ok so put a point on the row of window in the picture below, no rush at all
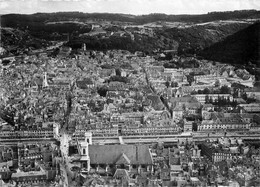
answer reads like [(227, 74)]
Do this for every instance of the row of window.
[(26, 134), (201, 127)]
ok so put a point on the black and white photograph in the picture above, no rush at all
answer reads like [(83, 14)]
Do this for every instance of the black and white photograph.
[(129, 93)]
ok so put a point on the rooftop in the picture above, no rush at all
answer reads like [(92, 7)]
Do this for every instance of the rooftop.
[(110, 154)]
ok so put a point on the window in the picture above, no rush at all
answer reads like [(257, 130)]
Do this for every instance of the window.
[(85, 165), (93, 165), (84, 151), (122, 166)]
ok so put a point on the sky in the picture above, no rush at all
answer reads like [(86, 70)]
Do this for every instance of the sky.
[(136, 7)]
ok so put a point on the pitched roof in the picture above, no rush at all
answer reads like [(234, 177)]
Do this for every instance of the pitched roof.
[(188, 101), (174, 160), (121, 173), (156, 102), (178, 108), (254, 89), (176, 168), (184, 99), (110, 154), (123, 160), (83, 84)]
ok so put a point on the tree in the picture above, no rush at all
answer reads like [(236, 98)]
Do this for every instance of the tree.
[(234, 103), (174, 84), (190, 78), (206, 91), (118, 73), (225, 90), (167, 84), (169, 65), (244, 96), (118, 78), (206, 99), (8, 115), (110, 101), (193, 92), (194, 126), (168, 56), (220, 101), (102, 91)]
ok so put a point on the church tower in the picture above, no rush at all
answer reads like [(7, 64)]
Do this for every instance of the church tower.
[(45, 82), (84, 152), (84, 47), (88, 137)]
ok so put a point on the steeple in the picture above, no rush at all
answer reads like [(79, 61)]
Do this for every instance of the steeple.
[(45, 82), (68, 37), (84, 47), (84, 153)]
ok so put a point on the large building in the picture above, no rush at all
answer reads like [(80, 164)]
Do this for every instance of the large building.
[(202, 98), (224, 121), (132, 158), (218, 153)]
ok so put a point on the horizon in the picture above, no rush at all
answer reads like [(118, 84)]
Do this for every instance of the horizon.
[(154, 13), (132, 7)]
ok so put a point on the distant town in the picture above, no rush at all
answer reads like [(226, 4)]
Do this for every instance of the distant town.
[(113, 117)]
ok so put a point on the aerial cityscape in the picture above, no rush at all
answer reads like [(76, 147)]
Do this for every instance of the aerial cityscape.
[(119, 99)]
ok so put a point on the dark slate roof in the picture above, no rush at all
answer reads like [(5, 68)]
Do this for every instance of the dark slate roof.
[(174, 160), (83, 84), (110, 154), (88, 81), (184, 99), (123, 160), (188, 101), (254, 89), (156, 102), (38, 81), (121, 173)]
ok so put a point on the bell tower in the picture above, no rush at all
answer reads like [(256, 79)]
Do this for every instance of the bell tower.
[(45, 82), (84, 152), (84, 47), (88, 137)]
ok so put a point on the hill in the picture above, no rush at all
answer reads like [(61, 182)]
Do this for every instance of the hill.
[(15, 41), (190, 34), (239, 48), (197, 37), (14, 20), (188, 40), (45, 26)]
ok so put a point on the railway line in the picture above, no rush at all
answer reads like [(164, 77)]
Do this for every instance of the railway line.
[(133, 139)]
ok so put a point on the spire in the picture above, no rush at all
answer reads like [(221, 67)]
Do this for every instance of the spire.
[(45, 82), (84, 47), (68, 37)]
